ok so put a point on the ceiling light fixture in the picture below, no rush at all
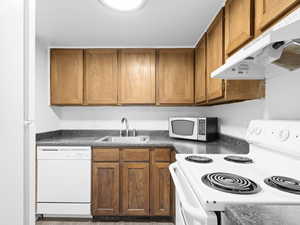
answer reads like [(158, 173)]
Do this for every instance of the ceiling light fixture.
[(124, 5)]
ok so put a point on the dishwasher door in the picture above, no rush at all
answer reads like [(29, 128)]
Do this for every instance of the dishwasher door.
[(63, 178)]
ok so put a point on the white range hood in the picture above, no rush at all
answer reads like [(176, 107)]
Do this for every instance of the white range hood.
[(280, 45)]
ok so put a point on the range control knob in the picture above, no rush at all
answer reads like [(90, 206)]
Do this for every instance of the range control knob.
[(258, 131), (284, 135)]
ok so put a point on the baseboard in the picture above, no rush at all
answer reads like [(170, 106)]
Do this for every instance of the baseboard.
[(134, 218)]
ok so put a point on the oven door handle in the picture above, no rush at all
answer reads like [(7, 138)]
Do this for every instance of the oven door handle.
[(198, 212)]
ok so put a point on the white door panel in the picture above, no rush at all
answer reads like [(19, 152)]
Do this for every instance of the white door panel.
[(29, 173)]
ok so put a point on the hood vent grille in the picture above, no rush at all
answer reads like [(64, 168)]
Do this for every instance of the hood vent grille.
[(290, 56)]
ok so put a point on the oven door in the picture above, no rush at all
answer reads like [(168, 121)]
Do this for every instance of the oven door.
[(186, 128), (188, 208)]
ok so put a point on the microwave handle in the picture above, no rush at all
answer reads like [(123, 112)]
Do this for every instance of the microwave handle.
[(199, 213)]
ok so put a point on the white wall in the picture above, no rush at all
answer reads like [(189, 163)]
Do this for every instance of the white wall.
[(46, 116), (282, 102), (283, 95), (234, 118), (139, 117), (11, 111)]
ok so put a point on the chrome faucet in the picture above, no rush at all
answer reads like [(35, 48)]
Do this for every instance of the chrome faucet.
[(124, 120)]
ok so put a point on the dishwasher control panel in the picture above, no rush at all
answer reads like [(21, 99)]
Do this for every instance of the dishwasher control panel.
[(65, 152)]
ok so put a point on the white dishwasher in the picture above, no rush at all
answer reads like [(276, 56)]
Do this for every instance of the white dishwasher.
[(64, 181)]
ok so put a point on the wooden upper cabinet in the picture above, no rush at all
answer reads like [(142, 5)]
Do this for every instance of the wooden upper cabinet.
[(269, 11), (66, 76), (135, 189), (176, 76), (215, 56), (239, 24), (137, 76), (105, 192), (101, 71), (200, 71)]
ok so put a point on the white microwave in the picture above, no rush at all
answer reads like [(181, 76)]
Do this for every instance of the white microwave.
[(194, 128)]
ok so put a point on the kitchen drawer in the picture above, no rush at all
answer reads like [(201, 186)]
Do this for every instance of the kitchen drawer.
[(135, 155), (161, 155), (106, 155)]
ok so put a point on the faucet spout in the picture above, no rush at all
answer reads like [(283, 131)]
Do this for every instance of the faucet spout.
[(124, 120)]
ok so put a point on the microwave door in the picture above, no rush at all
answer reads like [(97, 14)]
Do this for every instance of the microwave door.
[(183, 128)]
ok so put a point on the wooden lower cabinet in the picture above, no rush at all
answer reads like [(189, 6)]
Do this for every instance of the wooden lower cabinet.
[(105, 193), (132, 186), (161, 189), (135, 193), (173, 200)]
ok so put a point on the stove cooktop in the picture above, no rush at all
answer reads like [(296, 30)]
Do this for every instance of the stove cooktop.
[(223, 182), (273, 150)]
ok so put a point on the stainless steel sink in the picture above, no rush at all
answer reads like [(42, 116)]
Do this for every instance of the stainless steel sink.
[(117, 139)]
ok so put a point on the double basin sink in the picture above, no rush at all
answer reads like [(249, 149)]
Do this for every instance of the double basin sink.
[(125, 140)]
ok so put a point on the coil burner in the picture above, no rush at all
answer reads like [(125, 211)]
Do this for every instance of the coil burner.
[(238, 159), (230, 183), (285, 184), (198, 159)]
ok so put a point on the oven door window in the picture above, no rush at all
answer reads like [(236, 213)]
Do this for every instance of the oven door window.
[(183, 127)]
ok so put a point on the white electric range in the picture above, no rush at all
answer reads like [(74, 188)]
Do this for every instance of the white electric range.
[(269, 174)]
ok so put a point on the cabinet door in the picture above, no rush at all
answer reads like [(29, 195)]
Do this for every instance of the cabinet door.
[(135, 189), (239, 24), (173, 200), (101, 70), (268, 11), (176, 76), (161, 189), (105, 193), (137, 76), (215, 56), (66, 76), (200, 71)]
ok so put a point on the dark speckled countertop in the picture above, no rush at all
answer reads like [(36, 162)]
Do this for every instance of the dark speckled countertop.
[(224, 145), (263, 214)]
